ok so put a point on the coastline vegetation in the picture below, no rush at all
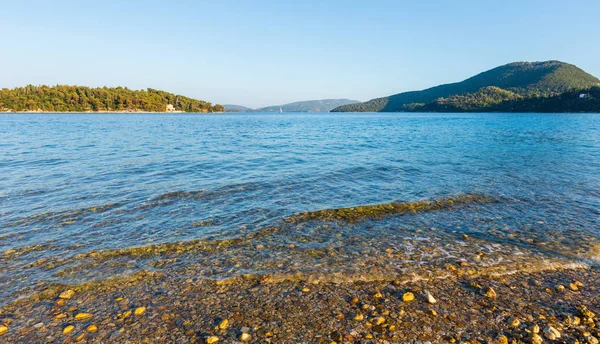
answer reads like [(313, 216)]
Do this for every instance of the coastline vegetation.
[(63, 98), (495, 99)]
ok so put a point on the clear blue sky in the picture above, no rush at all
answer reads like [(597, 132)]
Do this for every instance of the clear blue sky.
[(258, 53)]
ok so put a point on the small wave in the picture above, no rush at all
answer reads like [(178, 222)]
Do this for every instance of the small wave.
[(63, 218)]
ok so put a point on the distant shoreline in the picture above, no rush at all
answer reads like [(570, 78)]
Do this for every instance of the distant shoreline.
[(104, 111)]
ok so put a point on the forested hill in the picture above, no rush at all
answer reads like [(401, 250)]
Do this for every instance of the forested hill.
[(527, 79), (82, 99), (498, 100)]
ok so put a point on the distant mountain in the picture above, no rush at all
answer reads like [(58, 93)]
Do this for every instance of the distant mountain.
[(64, 98), (521, 79), (324, 105), (236, 108)]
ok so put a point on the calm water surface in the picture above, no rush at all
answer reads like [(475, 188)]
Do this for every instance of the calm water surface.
[(72, 185)]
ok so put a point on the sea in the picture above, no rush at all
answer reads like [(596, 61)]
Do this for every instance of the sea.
[(322, 197)]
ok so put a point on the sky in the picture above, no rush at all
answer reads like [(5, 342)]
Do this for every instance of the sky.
[(258, 53)]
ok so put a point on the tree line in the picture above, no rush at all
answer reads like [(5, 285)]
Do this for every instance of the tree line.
[(63, 98)]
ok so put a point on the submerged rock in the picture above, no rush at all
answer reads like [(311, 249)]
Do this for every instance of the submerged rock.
[(430, 297), (551, 333), (67, 294), (212, 339), (407, 297), (224, 324), (83, 316), (490, 293), (139, 311), (245, 337), (3, 329), (68, 329)]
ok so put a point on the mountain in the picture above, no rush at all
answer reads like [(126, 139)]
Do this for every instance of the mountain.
[(62, 98), (324, 105), (526, 79), (236, 108)]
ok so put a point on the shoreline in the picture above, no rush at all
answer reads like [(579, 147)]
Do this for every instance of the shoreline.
[(154, 308), (97, 112)]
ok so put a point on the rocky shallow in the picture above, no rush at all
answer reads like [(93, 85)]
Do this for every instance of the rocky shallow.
[(560, 306)]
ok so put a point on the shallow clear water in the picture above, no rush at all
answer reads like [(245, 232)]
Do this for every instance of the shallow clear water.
[(75, 184)]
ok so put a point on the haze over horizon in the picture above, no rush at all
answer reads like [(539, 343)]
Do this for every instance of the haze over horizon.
[(261, 53)]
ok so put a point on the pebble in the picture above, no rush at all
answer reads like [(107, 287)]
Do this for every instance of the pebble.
[(359, 317), (534, 328), (591, 339), (139, 311), (514, 322), (224, 324), (305, 290), (560, 287), (407, 297), (378, 295), (378, 320), (92, 328), (551, 333), (536, 339), (67, 294), (501, 339), (573, 287), (490, 293), (245, 337), (430, 297), (212, 339), (68, 329), (3, 329), (83, 316)]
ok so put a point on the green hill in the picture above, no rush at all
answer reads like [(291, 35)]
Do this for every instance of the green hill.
[(324, 105), (63, 98), (494, 99), (527, 79)]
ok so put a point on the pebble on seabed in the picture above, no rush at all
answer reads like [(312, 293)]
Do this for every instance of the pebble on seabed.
[(83, 316), (212, 339), (430, 297), (551, 333), (92, 328), (3, 330), (224, 324), (245, 337), (139, 311), (490, 293), (407, 297), (68, 329), (67, 294)]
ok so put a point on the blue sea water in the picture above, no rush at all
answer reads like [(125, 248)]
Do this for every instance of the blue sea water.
[(77, 183)]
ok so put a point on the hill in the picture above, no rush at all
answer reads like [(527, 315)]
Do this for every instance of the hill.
[(324, 105), (527, 79), (62, 98), (236, 108), (493, 99)]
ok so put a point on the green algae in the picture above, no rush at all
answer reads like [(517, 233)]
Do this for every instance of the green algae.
[(378, 211)]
